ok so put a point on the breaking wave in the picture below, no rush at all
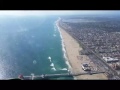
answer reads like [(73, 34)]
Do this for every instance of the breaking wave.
[(64, 69), (53, 67), (63, 47)]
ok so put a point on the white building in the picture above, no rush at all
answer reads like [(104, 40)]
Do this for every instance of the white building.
[(109, 59)]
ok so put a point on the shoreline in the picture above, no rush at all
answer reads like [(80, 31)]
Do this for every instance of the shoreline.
[(72, 48), (65, 52)]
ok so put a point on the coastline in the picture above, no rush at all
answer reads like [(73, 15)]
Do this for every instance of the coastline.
[(65, 52), (72, 48)]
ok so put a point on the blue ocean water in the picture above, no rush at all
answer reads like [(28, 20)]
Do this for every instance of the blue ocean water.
[(28, 45)]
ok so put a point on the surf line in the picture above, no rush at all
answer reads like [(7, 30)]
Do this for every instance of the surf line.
[(64, 49)]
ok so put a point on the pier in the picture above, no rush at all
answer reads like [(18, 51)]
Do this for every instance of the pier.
[(48, 76)]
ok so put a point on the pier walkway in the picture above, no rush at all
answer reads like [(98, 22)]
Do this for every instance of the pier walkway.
[(48, 76)]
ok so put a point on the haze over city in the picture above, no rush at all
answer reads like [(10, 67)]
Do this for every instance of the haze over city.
[(56, 12)]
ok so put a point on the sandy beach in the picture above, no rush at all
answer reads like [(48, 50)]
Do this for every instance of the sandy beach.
[(74, 58)]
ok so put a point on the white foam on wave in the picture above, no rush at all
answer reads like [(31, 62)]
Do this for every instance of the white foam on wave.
[(68, 64), (52, 64), (63, 47), (53, 68), (49, 57), (64, 69)]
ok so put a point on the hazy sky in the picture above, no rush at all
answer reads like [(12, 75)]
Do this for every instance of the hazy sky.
[(53, 12)]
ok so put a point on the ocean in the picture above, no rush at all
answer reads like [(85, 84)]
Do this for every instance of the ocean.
[(31, 45)]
